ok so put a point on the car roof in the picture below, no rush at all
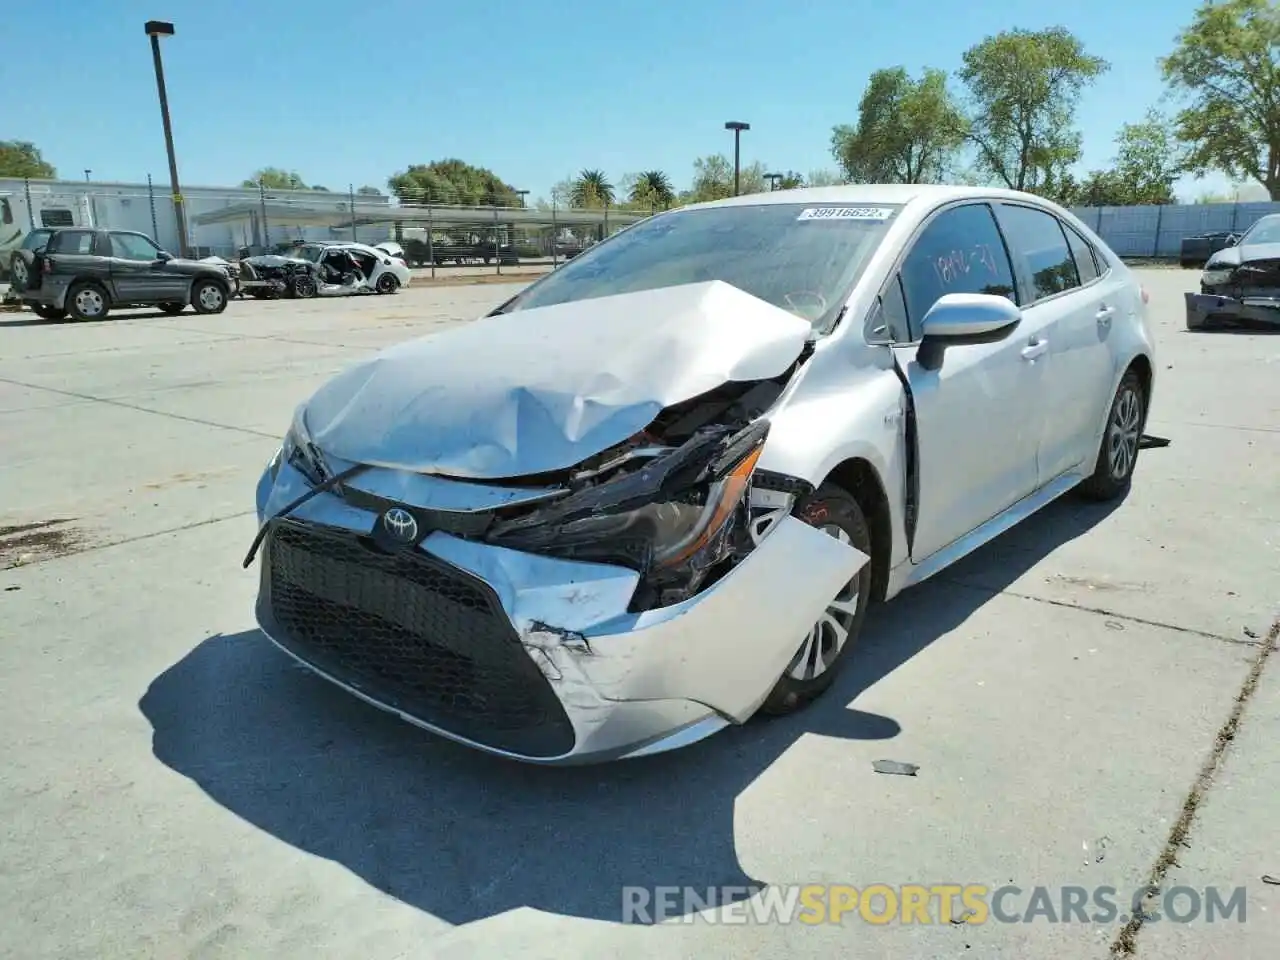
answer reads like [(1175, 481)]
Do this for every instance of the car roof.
[(862, 193)]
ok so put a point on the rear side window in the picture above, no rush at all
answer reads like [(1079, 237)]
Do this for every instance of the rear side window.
[(960, 251), (55, 217), (1086, 258), (72, 241), (1037, 239)]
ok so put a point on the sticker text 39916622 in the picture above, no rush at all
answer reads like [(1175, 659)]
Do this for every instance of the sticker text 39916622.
[(845, 213)]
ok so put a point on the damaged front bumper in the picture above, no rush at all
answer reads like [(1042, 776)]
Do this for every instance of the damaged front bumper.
[(1205, 309), (523, 655)]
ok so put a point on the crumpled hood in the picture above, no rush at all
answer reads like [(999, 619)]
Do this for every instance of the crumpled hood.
[(543, 389)]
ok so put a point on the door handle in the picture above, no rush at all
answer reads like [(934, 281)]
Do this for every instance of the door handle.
[(1034, 349), (1104, 314)]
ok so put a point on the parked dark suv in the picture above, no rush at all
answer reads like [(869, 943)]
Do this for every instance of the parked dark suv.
[(85, 273)]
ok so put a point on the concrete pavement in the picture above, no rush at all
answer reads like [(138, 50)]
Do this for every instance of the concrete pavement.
[(1084, 697)]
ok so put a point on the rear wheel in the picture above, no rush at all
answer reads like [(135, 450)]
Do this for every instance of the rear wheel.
[(825, 649), (88, 301), (49, 313), (18, 275), (387, 283), (208, 296), (1118, 455)]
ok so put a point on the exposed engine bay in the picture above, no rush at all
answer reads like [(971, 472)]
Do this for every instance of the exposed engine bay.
[(673, 502)]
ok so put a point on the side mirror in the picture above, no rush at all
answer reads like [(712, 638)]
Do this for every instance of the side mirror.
[(958, 319), (163, 257), (1232, 241)]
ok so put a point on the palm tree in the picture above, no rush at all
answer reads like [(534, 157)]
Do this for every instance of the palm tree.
[(592, 189), (653, 187)]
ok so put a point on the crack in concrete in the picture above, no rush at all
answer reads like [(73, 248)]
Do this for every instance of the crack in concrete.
[(1103, 612), (1126, 941), (141, 409)]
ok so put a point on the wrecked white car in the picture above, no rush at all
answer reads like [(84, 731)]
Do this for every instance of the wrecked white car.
[(654, 493)]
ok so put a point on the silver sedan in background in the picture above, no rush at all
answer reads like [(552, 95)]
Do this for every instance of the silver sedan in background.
[(654, 493)]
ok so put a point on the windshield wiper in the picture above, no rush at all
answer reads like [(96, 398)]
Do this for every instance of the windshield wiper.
[(318, 489)]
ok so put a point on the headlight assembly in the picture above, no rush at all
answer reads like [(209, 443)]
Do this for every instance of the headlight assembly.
[(1216, 277), (669, 519)]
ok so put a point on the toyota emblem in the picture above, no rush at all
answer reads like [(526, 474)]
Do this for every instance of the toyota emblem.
[(400, 524)]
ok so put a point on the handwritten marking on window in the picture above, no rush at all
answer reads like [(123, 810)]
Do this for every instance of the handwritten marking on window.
[(957, 263)]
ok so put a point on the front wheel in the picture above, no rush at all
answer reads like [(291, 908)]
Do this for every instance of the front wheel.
[(208, 296), (1118, 455), (305, 287), (825, 649)]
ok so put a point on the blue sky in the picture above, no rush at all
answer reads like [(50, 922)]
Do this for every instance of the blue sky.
[(352, 92)]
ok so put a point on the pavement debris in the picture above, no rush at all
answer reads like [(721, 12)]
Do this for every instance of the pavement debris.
[(895, 767)]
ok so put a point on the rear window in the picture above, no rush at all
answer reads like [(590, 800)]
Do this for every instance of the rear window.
[(1086, 259), (72, 241), (56, 217), (35, 239), (1037, 238)]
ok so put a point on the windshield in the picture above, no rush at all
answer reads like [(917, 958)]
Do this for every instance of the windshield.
[(306, 251), (803, 258), (1266, 230)]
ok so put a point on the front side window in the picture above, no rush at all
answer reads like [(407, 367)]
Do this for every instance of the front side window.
[(6, 211), (132, 246), (1036, 238), (72, 241), (804, 258), (960, 251)]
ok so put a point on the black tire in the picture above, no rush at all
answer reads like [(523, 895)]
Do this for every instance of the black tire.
[(1112, 476), (208, 297), (303, 287), (18, 274), (52, 314), (388, 284), (828, 506), (172, 309), (87, 300)]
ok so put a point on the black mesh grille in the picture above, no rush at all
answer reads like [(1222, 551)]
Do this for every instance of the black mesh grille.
[(414, 633)]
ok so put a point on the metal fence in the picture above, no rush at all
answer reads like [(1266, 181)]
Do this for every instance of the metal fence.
[(1158, 231)]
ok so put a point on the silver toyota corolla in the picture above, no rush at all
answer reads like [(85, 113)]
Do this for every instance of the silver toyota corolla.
[(653, 494)]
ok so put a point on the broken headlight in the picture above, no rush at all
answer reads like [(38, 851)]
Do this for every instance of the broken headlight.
[(669, 519), (299, 452), (1216, 276)]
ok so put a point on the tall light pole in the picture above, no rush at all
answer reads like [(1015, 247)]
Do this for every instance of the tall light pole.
[(86, 174), (773, 179), (737, 126), (155, 30)]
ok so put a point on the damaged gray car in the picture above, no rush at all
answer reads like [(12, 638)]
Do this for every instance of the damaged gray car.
[(653, 494), (1241, 283)]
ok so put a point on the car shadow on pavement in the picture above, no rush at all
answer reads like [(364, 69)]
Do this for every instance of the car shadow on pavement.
[(464, 836)]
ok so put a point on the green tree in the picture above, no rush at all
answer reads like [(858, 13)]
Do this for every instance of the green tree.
[(451, 181), (652, 189), (276, 178), (1023, 86), (713, 179), (591, 188), (823, 178), (1226, 67), (908, 130), (368, 192), (1143, 171), (18, 158)]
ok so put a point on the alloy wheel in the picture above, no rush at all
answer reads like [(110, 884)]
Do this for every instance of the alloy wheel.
[(1123, 433), (828, 636)]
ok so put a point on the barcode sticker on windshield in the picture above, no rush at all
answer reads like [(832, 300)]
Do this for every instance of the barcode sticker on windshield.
[(845, 213)]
